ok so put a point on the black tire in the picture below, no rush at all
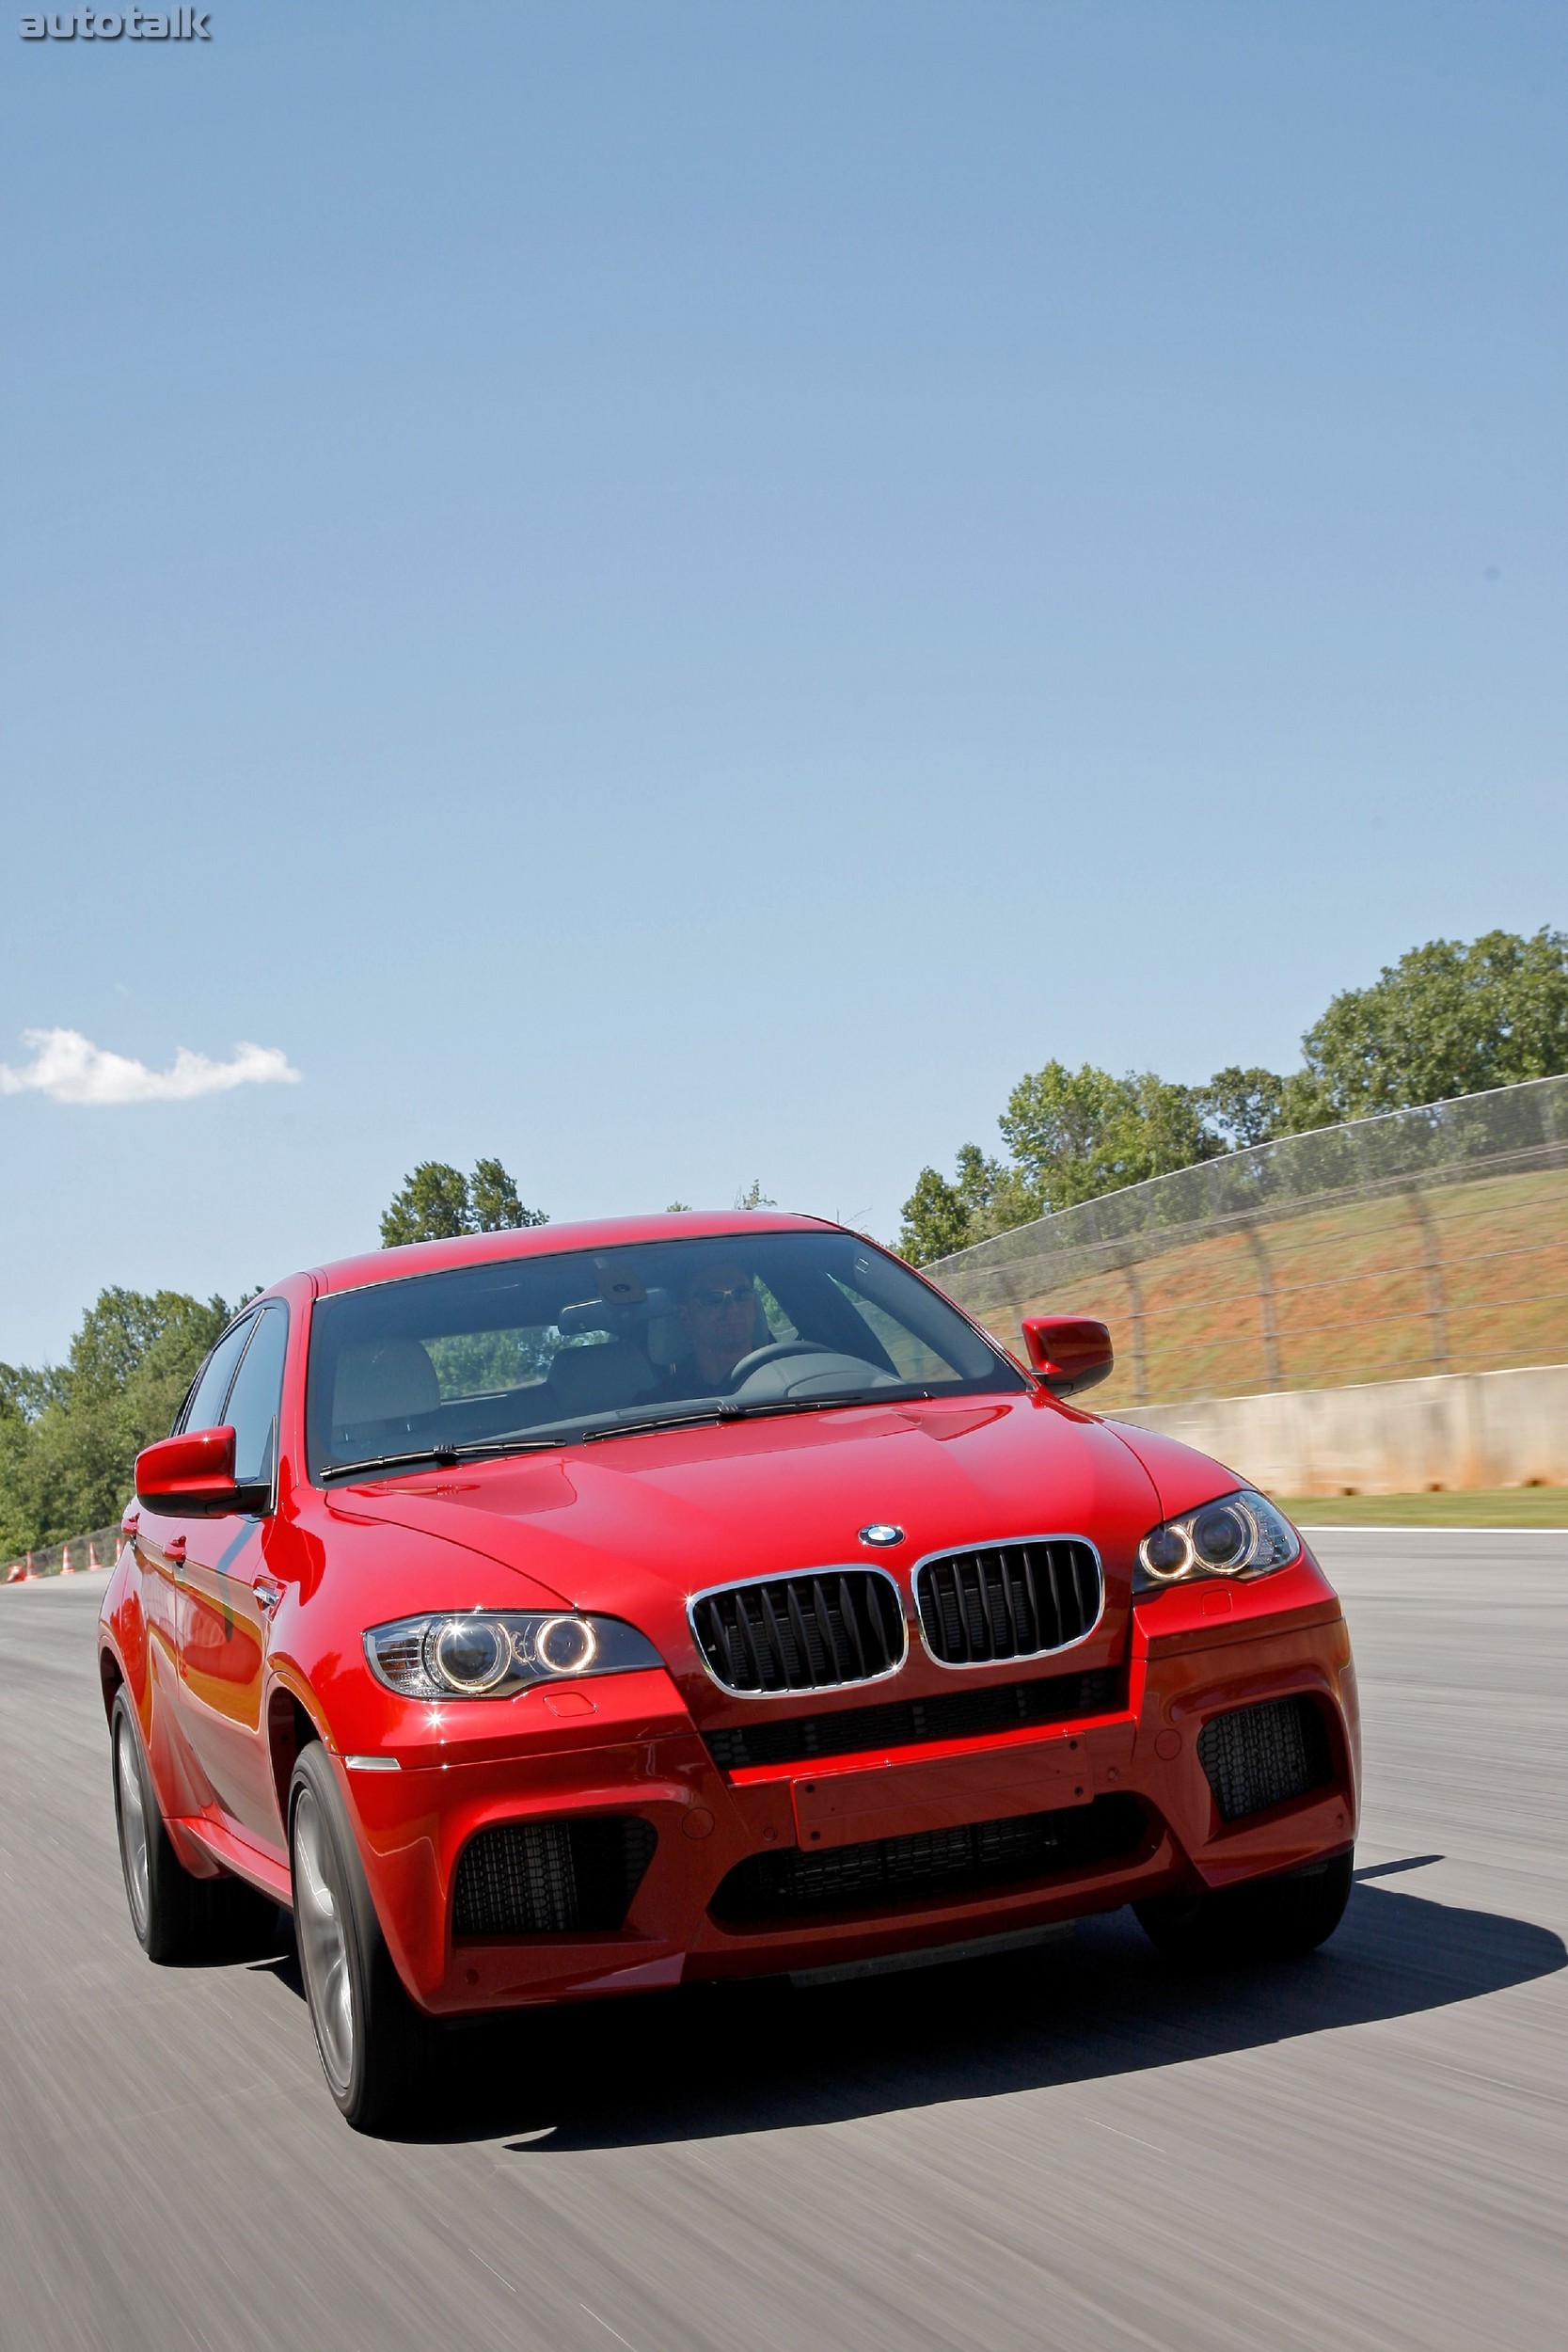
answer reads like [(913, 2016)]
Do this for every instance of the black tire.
[(1274, 1918), (179, 1920), (377, 2050)]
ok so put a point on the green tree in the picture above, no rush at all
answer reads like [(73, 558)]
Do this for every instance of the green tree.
[(1242, 1106), (1304, 1103), (431, 1205), (1447, 1018), (984, 1199), (1070, 1135), (69, 1434), (1075, 1133), (493, 1200), (23, 1393), (437, 1202)]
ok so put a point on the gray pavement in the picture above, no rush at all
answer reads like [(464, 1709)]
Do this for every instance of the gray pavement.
[(1073, 2148)]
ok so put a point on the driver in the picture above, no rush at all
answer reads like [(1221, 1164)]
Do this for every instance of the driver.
[(722, 1315)]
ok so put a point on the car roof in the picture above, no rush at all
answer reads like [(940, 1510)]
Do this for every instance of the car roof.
[(538, 1241)]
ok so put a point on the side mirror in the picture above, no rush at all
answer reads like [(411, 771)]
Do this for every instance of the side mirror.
[(1068, 1352), (192, 1477)]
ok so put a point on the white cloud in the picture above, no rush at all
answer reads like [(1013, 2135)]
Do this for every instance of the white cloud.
[(69, 1067)]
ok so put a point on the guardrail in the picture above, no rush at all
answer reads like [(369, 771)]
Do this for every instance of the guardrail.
[(98, 1549)]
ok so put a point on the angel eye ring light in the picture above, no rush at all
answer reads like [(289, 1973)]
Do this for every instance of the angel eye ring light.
[(1235, 1534), (470, 1654), (497, 1653), (567, 1645)]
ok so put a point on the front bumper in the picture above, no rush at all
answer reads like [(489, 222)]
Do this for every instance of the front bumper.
[(632, 1749)]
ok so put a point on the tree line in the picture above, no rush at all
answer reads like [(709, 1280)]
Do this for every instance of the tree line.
[(70, 1434), (1449, 1018)]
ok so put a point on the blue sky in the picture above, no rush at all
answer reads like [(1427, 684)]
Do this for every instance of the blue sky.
[(680, 593)]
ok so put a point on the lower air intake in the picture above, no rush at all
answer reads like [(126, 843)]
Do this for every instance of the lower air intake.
[(1261, 1756), (552, 1878), (966, 1714), (931, 1865)]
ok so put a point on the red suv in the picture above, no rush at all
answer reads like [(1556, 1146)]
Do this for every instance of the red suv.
[(555, 1614)]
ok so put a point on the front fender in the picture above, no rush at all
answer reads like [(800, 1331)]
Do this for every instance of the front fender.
[(123, 1643)]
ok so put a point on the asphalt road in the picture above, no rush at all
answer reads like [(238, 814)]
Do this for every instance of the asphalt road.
[(1071, 2148)]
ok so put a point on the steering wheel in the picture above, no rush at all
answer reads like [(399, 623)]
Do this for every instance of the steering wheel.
[(773, 1354)]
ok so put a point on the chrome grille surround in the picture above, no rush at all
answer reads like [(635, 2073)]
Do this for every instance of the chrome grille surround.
[(995, 1601), (780, 1630)]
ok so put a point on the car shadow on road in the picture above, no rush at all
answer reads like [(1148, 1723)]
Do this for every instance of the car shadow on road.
[(711, 2060)]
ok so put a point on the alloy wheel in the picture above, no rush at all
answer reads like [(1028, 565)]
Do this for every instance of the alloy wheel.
[(322, 1943), (131, 1817)]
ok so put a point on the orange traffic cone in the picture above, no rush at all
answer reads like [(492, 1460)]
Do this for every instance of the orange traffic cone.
[(93, 1560), (66, 1568)]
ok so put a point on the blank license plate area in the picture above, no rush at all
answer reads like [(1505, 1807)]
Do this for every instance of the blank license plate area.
[(897, 1800)]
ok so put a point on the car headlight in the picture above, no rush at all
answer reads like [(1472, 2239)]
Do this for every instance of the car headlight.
[(1240, 1534), (486, 1654)]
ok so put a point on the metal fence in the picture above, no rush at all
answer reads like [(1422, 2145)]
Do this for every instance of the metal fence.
[(99, 1548), (1423, 1241)]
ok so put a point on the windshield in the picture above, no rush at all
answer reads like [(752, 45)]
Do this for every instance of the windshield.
[(561, 1349)]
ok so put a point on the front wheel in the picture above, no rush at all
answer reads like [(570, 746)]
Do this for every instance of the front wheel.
[(177, 1917), (377, 2050), (1277, 1918)]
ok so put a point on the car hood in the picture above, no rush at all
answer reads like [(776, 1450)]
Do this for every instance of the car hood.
[(635, 1525)]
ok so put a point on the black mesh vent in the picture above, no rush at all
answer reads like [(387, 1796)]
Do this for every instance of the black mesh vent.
[(933, 1864), (1011, 1601), (1262, 1756), (801, 1632), (906, 1722), (552, 1878)]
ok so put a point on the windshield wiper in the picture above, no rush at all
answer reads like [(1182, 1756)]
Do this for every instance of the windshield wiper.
[(440, 1456), (766, 1409), (722, 1409)]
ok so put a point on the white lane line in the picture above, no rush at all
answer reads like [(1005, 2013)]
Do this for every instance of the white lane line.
[(491, 2268), (608, 2329), (1131, 2136)]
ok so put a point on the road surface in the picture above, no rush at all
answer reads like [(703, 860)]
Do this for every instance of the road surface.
[(1072, 2149)]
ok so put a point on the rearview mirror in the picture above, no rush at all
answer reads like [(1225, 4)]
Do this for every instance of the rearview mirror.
[(1070, 1352), (192, 1477)]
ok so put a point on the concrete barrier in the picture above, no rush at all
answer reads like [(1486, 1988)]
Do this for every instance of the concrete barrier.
[(1457, 1432)]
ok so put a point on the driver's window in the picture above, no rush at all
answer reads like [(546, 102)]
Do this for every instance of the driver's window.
[(205, 1408), (256, 1397)]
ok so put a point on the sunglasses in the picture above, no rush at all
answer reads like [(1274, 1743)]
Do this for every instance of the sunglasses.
[(732, 1295)]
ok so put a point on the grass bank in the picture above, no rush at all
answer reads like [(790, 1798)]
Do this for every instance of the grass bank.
[(1470, 1278), (1501, 1506)]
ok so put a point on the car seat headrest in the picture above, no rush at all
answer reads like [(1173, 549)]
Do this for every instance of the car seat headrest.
[(384, 1380)]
